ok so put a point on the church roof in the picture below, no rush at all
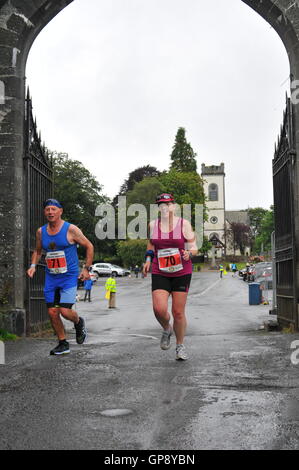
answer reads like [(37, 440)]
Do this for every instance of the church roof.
[(239, 217)]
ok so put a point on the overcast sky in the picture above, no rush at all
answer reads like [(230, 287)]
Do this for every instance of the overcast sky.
[(112, 80)]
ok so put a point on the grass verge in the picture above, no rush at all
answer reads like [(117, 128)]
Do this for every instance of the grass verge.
[(5, 336)]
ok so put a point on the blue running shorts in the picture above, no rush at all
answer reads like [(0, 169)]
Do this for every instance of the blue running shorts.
[(60, 296)]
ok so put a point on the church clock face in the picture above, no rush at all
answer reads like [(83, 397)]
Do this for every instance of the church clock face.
[(214, 220)]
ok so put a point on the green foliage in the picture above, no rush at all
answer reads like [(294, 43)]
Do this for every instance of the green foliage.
[(132, 252), (263, 240), (136, 176), (206, 245), (145, 192), (5, 336), (187, 188), (113, 260), (256, 216), (183, 158)]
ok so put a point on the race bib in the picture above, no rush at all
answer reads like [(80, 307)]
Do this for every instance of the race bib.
[(170, 260), (56, 262)]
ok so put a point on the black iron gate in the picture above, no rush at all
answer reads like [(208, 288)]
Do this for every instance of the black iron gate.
[(285, 248), (39, 187)]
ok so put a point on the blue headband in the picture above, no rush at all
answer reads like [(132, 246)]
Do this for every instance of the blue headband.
[(52, 202)]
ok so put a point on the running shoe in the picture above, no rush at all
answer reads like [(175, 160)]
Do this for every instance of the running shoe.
[(62, 347), (180, 352), (165, 339), (81, 331)]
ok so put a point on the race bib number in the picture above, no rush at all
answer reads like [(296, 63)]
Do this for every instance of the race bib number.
[(56, 262), (170, 260)]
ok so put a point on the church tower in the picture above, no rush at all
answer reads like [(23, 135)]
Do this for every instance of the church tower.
[(214, 188)]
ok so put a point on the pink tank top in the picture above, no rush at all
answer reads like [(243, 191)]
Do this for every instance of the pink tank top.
[(168, 241)]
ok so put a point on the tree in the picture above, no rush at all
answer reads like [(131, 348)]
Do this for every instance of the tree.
[(239, 235), (79, 193), (145, 192), (132, 252), (263, 240), (256, 216), (183, 158), (136, 176), (187, 188), (206, 245)]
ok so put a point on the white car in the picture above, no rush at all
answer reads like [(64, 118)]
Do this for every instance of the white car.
[(119, 270), (106, 269), (101, 269)]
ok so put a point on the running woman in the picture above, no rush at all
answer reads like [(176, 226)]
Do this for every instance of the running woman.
[(59, 240), (170, 248)]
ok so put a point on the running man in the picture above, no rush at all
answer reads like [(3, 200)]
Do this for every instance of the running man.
[(59, 240), (170, 248)]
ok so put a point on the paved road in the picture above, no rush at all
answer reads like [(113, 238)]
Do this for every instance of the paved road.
[(239, 390)]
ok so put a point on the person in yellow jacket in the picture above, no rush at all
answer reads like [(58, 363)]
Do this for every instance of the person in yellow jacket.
[(221, 270), (110, 287)]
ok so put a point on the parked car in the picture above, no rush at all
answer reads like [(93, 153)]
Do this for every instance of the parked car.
[(265, 278), (258, 270), (121, 271), (106, 269), (102, 269)]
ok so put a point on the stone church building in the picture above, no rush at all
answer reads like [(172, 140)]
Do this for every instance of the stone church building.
[(219, 219)]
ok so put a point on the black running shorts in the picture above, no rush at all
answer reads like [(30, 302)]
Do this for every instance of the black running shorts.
[(171, 284)]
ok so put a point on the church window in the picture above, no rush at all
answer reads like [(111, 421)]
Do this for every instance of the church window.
[(213, 192)]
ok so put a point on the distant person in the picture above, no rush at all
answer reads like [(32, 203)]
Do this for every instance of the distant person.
[(87, 287), (234, 269), (221, 270), (136, 270), (110, 287)]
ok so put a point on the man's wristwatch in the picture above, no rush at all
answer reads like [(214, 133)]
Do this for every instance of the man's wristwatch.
[(88, 268)]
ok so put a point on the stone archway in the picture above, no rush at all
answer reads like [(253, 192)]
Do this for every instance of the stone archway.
[(20, 23)]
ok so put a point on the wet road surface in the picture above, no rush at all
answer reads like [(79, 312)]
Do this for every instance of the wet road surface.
[(238, 390)]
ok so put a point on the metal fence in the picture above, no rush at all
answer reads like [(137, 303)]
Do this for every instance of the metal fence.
[(285, 252), (39, 187)]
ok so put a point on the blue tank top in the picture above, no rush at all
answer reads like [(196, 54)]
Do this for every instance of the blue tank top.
[(60, 243)]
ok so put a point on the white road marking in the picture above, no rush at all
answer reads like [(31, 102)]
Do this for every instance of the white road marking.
[(207, 289)]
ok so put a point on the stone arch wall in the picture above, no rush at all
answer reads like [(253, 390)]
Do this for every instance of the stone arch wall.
[(20, 23)]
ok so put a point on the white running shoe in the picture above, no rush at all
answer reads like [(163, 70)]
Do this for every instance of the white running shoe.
[(165, 339), (180, 352)]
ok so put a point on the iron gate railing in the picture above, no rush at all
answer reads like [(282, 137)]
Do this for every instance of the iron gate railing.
[(285, 248), (39, 187)]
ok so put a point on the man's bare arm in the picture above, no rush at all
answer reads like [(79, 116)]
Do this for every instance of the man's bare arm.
[(77, 236)]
